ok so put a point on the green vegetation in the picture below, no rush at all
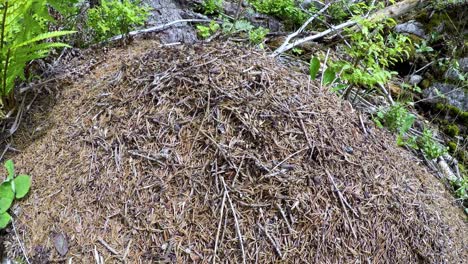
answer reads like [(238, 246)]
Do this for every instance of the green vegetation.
[(211, 7), (257, 36), (429, 146), (396, 118), (207, 31), (115, 17), (286, 10), (24, 30), (14, 187), (373, 49)]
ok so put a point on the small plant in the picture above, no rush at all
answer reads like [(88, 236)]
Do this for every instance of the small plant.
[(206, 31), (423, 47), (287, 10), (115, 17), (396, 119), (14, 187), (211, 7), (256, 36), (429, 146), (373, 49)]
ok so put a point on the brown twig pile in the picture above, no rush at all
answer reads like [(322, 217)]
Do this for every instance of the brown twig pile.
[(216, 153)]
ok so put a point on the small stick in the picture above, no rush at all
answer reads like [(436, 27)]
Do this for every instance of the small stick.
[(219, 226), (293, 35), (127, 250), (342, 203), (19, 242), (113, 251), (155, 29), (272, 241), (362, 124), (239, 234), (285, 219)]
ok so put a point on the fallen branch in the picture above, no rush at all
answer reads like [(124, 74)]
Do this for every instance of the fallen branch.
[(154, 29), (392, 11), (312, 18)]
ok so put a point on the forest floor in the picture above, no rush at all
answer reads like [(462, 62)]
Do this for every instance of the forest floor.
[(196, 153)]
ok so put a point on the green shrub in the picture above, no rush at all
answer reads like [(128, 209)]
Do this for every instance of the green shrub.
[(14, 187), (24, 30), (396, 118), (429, 146), (206, 31), (373, 49), (286, 10), (115, 17), (256, 36), (211, 7)]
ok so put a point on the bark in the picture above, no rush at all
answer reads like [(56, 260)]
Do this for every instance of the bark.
[(165, 11)]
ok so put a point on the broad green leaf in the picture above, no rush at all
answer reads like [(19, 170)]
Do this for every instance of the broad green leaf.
[(5, 204), (5, 219), (22, 185), (328, 76), (10, 166), (6, 191), (314, 67)]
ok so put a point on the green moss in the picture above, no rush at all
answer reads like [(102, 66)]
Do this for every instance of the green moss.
[(464, 117), (425, 83), (452, 146), (452, 130)]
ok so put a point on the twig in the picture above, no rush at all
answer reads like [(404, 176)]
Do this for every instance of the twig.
[(113, 251), (272, 241), (285, 219), (19, 242), (313, 37), (239, 234), (293, 35), (219, 226), (393, 11), (363, 126), (154, 29), (343, 202)]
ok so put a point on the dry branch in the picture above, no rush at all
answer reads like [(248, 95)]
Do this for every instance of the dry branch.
[(392, 11)]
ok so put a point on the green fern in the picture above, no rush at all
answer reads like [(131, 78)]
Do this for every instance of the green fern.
[(23, 36)]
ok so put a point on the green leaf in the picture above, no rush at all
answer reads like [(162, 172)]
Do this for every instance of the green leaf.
[(43, 36), (328, 76), (22, 185), (314, 67), (6, 191), (5, 219), (5, 204), (10, 166)]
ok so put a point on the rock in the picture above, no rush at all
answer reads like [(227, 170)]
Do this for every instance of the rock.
[(447, 93), (415, 79), (463, 63), (165, 11), (453, 74), (306, 4), (411, 27), (61, 244)]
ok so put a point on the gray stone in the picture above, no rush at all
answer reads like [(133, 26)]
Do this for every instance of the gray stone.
[(453, 75), (452, 95), (463, 63), (165, 11), (411, 27), (415, 79)]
